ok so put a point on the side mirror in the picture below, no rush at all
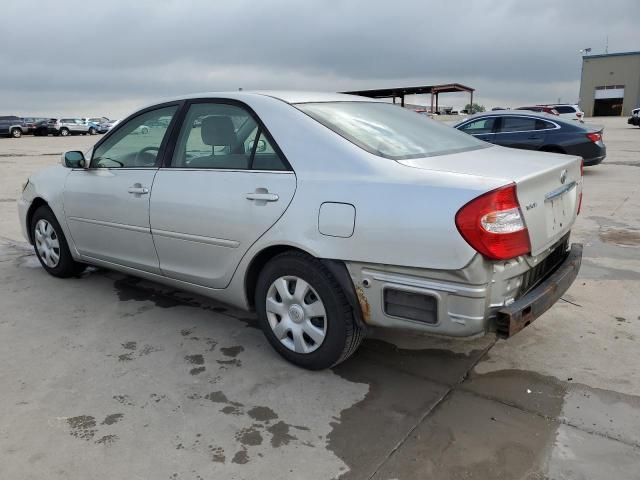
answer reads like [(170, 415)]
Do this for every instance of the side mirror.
[(74, 159)]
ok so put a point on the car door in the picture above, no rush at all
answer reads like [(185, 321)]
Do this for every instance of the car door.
[(107, 205), (482, 128), (227, 183), (518, 131)]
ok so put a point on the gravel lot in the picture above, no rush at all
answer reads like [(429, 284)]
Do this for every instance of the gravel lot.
[(111, 377)]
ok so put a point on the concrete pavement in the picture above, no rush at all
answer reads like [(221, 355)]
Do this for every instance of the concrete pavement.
[(109, 376)]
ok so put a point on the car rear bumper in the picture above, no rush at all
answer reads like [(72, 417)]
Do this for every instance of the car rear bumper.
[(462, 303), (593, 161), (513, 318)]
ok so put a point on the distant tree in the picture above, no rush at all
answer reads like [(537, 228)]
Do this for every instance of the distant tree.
[(475, 108)]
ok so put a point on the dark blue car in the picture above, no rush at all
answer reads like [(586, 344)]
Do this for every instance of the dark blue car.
[(537, 131)]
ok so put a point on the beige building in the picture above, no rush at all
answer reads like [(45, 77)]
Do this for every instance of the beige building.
[(610, 84)]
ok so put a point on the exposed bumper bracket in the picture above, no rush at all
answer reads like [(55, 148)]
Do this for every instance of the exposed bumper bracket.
[(513, 318)]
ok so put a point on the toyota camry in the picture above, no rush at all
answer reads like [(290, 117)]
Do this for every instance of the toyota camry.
[(327, 214)]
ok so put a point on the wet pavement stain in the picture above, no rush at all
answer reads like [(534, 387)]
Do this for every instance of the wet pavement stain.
[(234, 362), (241, 457), (197, 370), (624, 238), (124, 400), (262, 414), (107, 440), (195, 359), (249, 437), (82, 426), (232, 351), (125, 357), (404, 386), (280, 434), (217, 454), (130, 345), (528, 391), (113, 418)]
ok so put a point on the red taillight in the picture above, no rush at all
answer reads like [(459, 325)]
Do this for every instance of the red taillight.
[(493, 225), (594, 136)]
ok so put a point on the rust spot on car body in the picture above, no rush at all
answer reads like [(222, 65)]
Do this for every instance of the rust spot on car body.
[(364, 304)]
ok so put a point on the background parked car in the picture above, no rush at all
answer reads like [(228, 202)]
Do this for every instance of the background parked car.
[(12, 126), (106, 126), (45, 127), (537, 131), (70, 126), (31, 124), (540, 109), (571, 112), (634, 119)]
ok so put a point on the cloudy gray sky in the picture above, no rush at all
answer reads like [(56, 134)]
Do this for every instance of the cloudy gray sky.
[(106, 58)]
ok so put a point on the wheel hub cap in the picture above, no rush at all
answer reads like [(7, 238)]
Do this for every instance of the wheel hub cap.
[(296, 314), (47, 243)]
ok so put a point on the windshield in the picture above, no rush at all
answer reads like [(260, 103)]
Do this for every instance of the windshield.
[(390, 131)]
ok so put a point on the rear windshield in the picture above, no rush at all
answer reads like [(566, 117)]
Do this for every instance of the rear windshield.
[(390, 131)]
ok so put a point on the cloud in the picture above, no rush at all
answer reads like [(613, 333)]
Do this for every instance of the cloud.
[(74, 57)]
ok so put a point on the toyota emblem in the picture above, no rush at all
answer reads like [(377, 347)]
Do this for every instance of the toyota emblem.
[(563, 176)]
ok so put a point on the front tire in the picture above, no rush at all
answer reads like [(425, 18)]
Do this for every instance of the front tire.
[(51, 245), (16, 132), (92, 131), (304, 312)]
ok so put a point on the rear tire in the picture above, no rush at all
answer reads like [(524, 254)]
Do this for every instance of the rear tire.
[(314, 329), (51, 245), (16, 132), (64, 132), (92, 131)]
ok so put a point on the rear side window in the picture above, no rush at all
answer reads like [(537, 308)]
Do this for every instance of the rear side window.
[(390, 131), (517, 124), (544, 125), (483, 125), (223, 136)]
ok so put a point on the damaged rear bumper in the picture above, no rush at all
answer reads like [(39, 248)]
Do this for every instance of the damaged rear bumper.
[(513, 318)]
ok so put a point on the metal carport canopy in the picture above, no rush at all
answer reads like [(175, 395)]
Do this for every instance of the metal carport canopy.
[(434, 90)]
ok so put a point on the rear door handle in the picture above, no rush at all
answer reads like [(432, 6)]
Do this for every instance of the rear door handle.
[(138, 189), (262, 195), (265, 197)]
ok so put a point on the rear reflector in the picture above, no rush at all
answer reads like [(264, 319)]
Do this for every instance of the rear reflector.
[(412, 306), (594, 136), (493, 224)]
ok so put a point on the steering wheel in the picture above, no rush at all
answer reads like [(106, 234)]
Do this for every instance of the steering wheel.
[(138, 160)]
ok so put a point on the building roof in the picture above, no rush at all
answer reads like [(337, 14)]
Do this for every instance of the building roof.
[(619, 54), (401, 91)]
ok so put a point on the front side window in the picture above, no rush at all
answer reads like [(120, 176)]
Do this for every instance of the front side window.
[(224, 136), (390, 131), (483, 125), (517, 124), (128, 147)]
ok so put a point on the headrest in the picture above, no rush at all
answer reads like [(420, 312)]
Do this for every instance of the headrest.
[(218, 130)]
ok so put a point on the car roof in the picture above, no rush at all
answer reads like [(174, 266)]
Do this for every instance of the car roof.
[(510, 113), (288, 96)]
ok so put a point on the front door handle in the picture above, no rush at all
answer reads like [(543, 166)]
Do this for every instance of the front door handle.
[(262, 195), (138, 189)]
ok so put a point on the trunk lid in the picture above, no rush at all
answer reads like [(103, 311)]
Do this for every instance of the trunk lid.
[(548, 185)]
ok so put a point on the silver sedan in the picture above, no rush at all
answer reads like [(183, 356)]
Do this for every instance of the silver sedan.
[(325, 213)]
